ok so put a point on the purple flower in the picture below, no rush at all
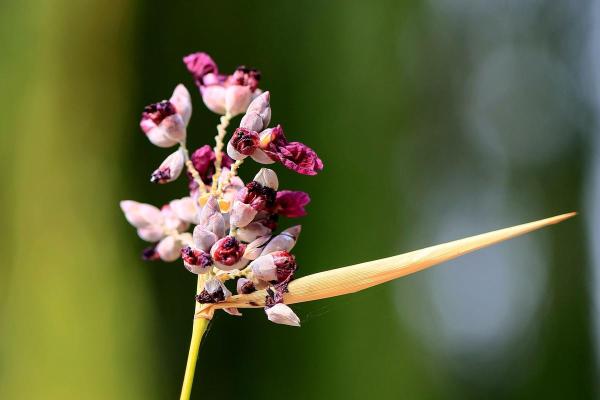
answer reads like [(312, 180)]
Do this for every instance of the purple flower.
[(203, 160), (290, 203), (293, 155)]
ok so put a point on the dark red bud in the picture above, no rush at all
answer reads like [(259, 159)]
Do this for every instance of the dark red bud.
[(228, 251), (245, 141), (158, 111)]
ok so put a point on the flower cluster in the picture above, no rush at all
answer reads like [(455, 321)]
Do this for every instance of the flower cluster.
[(233, 238)]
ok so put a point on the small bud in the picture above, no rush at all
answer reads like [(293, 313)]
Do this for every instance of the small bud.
[(169, 249), (252, 231), (286, 240), (261, 107), (268, 178), (170, 169), (141, 215), (282, 314), (264, 268), (254, 248), (195, 260), (286, 265), (200, 64), (214, 292), (252, 121), (227, 253), (245, 286), (203, 238), (244, 141), (241, 214)]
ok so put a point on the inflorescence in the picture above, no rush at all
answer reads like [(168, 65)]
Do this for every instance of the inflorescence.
[(233, 237)]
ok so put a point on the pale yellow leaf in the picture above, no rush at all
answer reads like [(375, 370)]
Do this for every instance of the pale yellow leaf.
[(339, 281)]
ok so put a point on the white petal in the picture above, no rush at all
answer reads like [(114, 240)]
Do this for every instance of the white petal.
[(203, 238), (241, 214), (267, 177), (286, 240), (261, 157), (254, 249), (183, 102), (282, 314), (264, 268)]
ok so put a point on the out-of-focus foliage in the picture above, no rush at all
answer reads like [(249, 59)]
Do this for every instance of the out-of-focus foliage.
[(435, 119)]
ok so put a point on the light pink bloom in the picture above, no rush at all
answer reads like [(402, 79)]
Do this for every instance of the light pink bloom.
[(165, 123), (223, 94), (282, 314), (169, 169), (227, 254), (169, 249)]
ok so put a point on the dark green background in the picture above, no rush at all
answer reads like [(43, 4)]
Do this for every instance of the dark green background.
[(435, 120)]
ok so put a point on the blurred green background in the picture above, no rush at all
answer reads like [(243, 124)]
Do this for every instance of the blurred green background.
[(435, 119)]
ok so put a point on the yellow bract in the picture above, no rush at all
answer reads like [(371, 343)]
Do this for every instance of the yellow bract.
[(339, 281)]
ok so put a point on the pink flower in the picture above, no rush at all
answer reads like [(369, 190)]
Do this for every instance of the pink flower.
[(243, 143), (153, 226), (223, 94), (227, 253), (165, 123), (293, 155), (291, 203), (195, 260)]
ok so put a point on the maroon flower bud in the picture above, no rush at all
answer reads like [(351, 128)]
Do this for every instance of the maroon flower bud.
[(244, 76), (203, 160), (200, 64), (214, 291), (158, 111), (227, 251), (286, 265), (196, 260), (245, 286), (245, 141), (291, 203), (261, 198)]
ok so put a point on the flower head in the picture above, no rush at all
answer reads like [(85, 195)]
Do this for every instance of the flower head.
[(165, 122), (223, 94)]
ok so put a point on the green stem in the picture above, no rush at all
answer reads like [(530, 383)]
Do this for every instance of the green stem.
[(199, 327)]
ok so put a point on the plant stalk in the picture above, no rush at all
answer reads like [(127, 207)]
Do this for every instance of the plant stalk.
[(199, 327)]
